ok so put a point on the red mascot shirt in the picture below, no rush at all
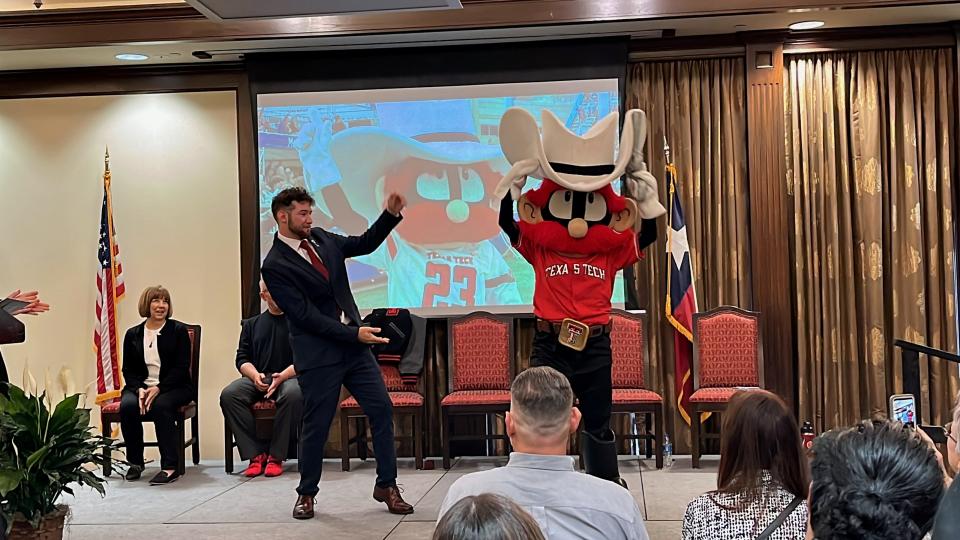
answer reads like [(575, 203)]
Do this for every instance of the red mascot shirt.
[(576, 287)]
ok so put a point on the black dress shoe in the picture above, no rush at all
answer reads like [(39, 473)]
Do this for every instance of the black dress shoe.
[(303, 509), (163, 478), (134, 472)]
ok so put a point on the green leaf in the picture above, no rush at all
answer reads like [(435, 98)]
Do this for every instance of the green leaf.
[(65, 413), (9, 480), (35, 457)]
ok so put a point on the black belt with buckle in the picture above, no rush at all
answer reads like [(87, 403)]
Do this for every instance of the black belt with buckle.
[(554, 328)]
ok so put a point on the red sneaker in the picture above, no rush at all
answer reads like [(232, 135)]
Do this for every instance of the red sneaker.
[(256, 466), (274, 467)]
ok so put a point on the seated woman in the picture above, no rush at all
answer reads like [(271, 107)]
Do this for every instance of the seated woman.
[(763, 479), (156, 368)]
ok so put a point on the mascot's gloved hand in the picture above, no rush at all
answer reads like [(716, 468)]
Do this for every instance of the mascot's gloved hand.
[(516, 178), (641, 184)]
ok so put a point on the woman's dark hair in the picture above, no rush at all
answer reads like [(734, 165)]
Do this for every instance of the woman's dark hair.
[(877, 480), (759, 434), (487, 517)]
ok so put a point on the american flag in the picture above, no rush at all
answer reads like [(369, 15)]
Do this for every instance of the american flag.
[(681, 298), (110, 290)]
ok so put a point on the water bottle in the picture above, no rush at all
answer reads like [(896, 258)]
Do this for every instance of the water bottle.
[(807, 434), (667, 452)]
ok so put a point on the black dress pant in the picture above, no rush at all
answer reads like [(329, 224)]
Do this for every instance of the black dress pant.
[(321, 394), (164, 413), (588, 372)]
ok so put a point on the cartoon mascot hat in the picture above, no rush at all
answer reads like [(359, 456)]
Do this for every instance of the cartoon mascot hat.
[(577, 163)]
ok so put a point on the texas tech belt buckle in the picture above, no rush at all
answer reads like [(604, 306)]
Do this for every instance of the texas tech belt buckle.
[(574, 334)]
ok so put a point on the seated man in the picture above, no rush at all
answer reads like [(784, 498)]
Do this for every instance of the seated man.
[(541, 478), (265, 360)]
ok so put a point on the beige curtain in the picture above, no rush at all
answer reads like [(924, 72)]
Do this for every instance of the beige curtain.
[(870, 159), (699, 106)]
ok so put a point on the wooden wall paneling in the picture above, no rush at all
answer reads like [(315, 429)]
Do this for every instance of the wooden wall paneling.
[(769, 223)]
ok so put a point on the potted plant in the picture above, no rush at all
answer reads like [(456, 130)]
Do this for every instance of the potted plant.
[(43, 453)]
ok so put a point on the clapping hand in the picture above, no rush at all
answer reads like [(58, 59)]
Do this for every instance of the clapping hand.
[(34, 305)]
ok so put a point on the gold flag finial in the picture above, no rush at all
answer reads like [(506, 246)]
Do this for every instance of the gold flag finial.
[(106, 159)]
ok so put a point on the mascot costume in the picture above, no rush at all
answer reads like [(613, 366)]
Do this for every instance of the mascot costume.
[(577, 232)]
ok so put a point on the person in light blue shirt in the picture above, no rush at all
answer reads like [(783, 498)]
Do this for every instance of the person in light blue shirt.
[(541, 478)]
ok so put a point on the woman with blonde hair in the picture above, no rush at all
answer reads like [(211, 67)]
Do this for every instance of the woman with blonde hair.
[(156, 368)]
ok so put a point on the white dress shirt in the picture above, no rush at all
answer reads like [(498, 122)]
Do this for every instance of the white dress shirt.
[(294, 244)]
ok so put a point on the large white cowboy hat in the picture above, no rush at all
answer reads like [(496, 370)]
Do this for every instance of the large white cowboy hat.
[(578, 163), (438, 132)]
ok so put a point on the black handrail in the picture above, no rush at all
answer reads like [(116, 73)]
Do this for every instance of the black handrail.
[(910, 358)]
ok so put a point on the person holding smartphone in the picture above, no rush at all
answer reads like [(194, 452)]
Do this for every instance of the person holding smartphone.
[(156, 368), (13, 330), (265, 360)]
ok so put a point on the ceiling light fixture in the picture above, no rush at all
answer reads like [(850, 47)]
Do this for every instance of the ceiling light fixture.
[(806, 25), (131, 57)]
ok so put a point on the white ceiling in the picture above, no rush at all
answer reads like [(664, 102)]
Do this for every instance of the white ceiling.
[(180, 51)]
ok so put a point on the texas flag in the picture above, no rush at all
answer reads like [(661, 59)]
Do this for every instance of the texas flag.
[(681, 299)]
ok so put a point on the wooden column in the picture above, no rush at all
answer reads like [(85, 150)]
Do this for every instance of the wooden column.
[(769, 216)]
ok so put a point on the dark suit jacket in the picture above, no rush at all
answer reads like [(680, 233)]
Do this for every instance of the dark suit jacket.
[(11, 331), (317, 336), (173, 342)]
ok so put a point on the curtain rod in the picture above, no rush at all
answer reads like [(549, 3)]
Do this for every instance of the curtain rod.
[(687, 54)]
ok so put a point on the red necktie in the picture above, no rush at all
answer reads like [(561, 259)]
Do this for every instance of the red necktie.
[(314, 260)]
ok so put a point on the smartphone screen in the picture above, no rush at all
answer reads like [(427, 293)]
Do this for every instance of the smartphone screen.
[(903, 409)]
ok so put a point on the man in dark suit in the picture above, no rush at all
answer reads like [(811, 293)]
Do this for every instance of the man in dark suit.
[(307, 277)]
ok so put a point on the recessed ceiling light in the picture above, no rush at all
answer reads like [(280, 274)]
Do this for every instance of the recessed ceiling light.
[(806, 25), (131, 57)]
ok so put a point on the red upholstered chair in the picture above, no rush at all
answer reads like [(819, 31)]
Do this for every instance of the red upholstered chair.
[(480, 370), (727, 356), (407, 400), (264, 412), (630, 367), (110, 413)]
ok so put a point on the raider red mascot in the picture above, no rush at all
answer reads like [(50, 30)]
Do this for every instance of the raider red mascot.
[(577, 232)]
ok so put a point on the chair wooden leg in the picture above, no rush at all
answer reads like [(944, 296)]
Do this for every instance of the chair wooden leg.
[(195, 434), (445, 437), (418, 439), (646, 440), (344, 441), (658, 435), (182, 454), (107, 456), (227, 448), (695, 435), (362, 438)]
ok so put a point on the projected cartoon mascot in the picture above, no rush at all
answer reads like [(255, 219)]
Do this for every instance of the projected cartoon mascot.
[(448, 249), (577, 232)]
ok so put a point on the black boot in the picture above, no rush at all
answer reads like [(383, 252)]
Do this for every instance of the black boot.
[(600, 456)]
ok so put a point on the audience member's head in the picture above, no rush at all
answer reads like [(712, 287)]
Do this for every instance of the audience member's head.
[(947, 525), (760, 434), (155, 303), (486, 517), (877, 480), (542, 415)]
